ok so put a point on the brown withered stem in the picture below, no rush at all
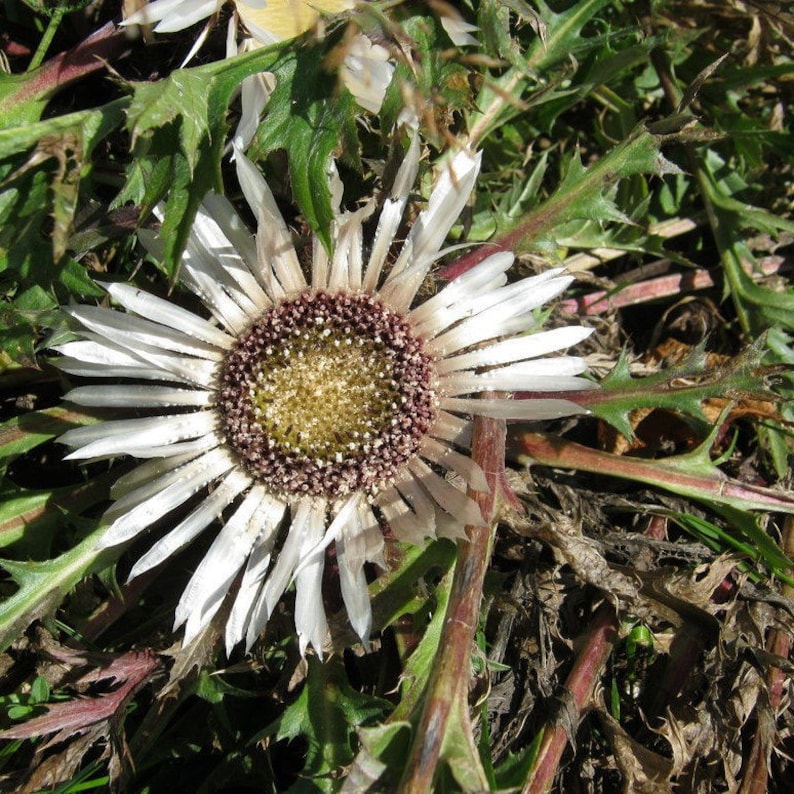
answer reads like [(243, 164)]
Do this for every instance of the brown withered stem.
[(756, 773)]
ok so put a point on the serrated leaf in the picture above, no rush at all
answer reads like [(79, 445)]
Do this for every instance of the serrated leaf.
[(20, 321), (90, 126), (43, 585), (438, 85), (682, 388), (326, 713), (182, 97), (313, 122), (515, 768), (585, 193), (41, 187), (178, 144), (131, 671), (386, 746), (23, 97), (692, 475), (558, 37)]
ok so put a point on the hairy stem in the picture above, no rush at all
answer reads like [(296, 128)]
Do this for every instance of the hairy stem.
[(52, 27)]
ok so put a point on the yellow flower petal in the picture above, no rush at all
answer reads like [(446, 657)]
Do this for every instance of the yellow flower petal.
[(286, 19)]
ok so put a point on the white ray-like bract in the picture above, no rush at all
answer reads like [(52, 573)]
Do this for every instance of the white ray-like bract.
[(307, 410)]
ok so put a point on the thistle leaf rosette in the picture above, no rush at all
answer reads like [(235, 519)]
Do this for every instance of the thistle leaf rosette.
[(310, 409)]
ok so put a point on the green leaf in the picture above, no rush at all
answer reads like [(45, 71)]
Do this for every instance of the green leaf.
[(28, 518), (395, 593), (182, 97), (23, 97), (681, 388), (326, 713), (585, 193), (386, 746), (16, 86), (41, 189), (557, 37), (756, 545), (43, 585), (20, 323), (313, 122), (515, 768), (692, 475), (437, 84), (758, 308), (23, 433), (179, 131), (89, 126)]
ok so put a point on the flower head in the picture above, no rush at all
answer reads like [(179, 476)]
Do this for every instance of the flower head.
[(310, 409)]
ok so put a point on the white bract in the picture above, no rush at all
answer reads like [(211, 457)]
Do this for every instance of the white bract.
[(315, 404)]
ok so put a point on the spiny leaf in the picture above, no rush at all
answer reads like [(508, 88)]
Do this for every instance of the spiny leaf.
[(582, 190), (326, 713), (181, 97), (692, 475), (23, 97), (43, 585), (434, 86), (42, 186), (682, 388), (313, 122), (131, 671), (179, 128), (89, 126), (386, 745), (558, 36), (757, 307)]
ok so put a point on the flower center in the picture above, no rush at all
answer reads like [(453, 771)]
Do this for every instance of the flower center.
[(326, 394)]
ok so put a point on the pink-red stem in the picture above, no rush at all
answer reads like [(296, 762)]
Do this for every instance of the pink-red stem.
[(448, 685), (581, 682)]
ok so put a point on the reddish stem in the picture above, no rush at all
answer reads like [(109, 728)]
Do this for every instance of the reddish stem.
[(552, 451), (655, 289), (579, 687), (449, 682)]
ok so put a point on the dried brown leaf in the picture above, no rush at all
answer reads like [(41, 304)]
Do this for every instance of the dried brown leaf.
[(690, 592), (48, 771), (690, 736), (644, 772), (583, 554), (187, 661)]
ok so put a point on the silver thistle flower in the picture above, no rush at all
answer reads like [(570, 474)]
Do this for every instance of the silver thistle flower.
[(317, 408)]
